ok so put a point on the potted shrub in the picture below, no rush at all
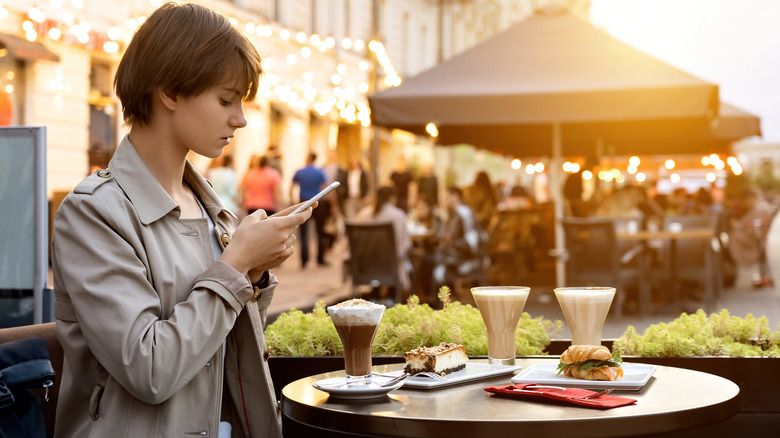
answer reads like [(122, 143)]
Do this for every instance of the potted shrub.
[(743, 350)]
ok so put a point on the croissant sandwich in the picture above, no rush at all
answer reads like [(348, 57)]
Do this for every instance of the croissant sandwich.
[(591, 362)]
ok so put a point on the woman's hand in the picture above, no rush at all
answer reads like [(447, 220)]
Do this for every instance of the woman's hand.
[(261, 242)]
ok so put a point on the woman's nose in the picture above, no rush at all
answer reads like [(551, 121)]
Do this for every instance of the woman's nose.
[(239, 120)]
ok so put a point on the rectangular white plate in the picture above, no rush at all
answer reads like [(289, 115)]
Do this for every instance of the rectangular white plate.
[(635, 376), (473, 371)]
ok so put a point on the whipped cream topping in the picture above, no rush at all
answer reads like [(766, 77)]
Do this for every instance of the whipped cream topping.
[(356, 311)]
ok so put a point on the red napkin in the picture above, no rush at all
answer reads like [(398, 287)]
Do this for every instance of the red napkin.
[(565, 395)]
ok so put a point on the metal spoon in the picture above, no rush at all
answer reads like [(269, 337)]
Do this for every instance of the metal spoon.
[(394, 380), (598, 394)]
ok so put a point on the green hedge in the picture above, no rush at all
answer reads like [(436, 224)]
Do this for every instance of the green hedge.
[(699, 334), (404, 327)]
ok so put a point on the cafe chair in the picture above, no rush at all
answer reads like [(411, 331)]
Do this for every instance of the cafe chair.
[(694, 260), (593, 257), (373, 257)]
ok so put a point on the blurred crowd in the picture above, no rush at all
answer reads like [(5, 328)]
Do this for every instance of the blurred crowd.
[(486, 231)]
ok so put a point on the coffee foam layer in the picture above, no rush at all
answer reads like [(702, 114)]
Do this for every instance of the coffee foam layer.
[(360, 312), (586, 296), (501, 294)]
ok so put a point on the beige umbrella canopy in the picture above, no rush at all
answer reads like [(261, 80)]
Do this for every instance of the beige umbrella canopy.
[(552, 68)]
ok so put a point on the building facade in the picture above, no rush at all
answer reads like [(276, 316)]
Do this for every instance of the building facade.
[(322, 59)]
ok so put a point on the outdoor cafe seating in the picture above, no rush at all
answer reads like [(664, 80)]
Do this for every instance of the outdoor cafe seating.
[(594, 258), (666, 264), (696, 260), (373, 261)]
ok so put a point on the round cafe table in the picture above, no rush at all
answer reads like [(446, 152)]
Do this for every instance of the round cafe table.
[(672, 400)]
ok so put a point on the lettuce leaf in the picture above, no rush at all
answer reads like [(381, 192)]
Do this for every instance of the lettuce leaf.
[(592, 364)]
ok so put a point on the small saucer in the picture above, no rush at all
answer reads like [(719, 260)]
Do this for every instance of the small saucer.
[(337, 387)]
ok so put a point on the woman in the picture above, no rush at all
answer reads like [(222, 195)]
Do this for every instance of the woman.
[(425, 214), (224, 181), (260, 187), (748, 230), (384, 210), (482, 200), (161, 321)]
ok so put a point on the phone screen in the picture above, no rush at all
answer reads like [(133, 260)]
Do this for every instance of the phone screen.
[(316, 197)]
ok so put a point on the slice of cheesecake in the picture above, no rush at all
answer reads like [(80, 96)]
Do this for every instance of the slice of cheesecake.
[(442, 359)]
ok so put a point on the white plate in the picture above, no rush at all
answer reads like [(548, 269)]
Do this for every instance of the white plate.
[(635, 376), (338, 388), (473, 371)]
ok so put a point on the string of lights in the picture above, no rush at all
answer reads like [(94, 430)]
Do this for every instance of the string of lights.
[(37, 25)]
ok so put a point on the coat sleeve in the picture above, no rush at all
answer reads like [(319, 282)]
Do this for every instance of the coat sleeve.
[(102, 284)]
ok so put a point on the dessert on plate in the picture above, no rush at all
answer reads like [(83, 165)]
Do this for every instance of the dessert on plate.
[(443, 359), (591, 362)]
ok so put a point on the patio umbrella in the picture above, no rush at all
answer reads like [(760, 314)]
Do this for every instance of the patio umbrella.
[(546, 86), (552, 68)]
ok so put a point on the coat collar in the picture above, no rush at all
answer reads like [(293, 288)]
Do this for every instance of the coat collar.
[(147, 195)]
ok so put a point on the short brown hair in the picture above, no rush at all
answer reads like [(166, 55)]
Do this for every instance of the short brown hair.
[(185, 49)]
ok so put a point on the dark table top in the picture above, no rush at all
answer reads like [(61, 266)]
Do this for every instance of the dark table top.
[(673, 399)]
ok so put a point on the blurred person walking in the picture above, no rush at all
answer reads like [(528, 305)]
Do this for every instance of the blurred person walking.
[(355, 182), (748, 231), (767, 182), (161, 310), (224, 181), (402, 181), (261, 187), (274, 157), (333, 203), (310, 180)]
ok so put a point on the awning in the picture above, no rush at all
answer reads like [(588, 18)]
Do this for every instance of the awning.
[(506, 93), (23, 49)]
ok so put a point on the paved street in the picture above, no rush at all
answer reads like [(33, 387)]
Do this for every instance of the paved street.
[(301, 288)]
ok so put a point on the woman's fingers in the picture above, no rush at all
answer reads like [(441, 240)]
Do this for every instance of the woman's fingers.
[(263, 242), (259, 214), (290, 209), (290, 241), (289, 247)]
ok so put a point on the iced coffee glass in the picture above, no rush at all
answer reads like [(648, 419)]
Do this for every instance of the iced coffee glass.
[(585, 309), (356, 322), (501, 308)]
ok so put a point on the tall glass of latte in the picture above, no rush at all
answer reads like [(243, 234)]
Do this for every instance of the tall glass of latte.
[(356, 322), (501, 308), (585, 309)]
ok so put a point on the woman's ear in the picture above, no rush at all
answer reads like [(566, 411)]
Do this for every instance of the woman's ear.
[(167, 98)]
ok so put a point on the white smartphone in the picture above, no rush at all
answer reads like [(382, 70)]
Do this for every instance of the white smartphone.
[(316, 197)]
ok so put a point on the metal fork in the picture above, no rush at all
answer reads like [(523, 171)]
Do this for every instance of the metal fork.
[(428, 374), (433, 376)]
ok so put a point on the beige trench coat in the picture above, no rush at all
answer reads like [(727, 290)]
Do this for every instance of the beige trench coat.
[(159, 340)]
